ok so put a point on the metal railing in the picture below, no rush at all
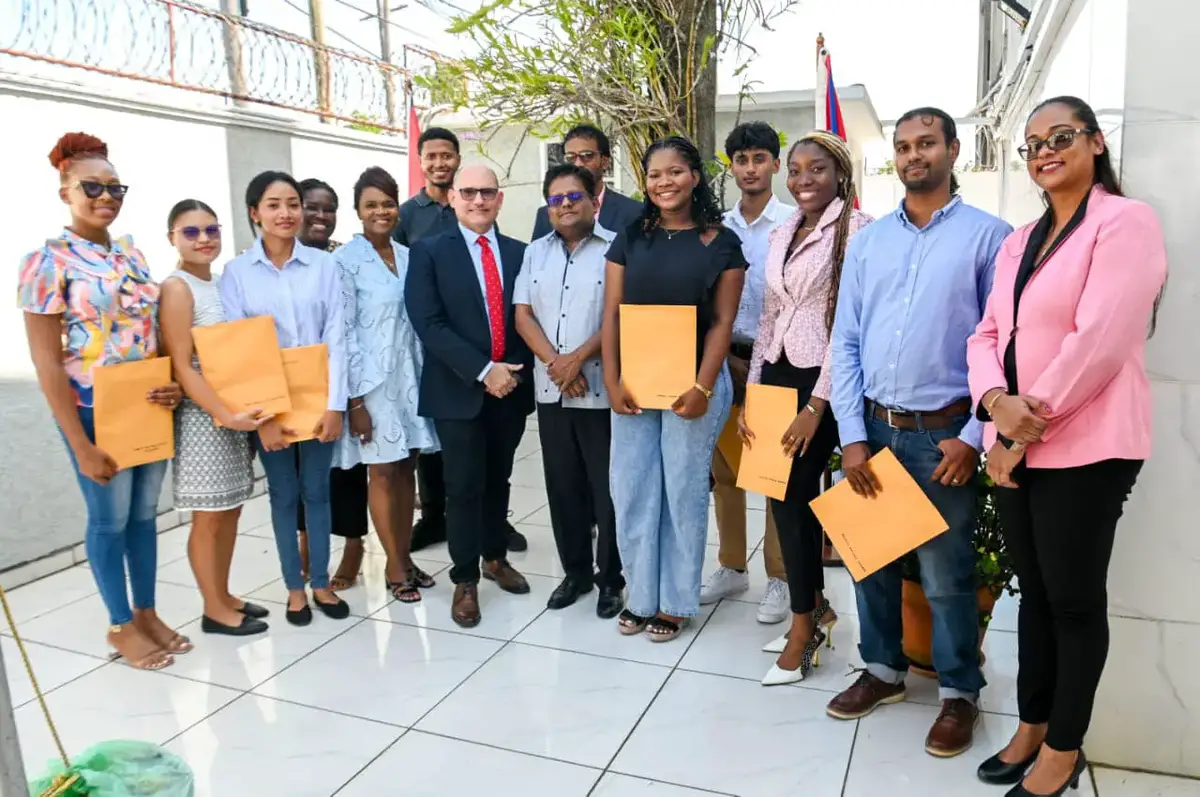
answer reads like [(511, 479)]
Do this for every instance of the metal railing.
[(178, 44)]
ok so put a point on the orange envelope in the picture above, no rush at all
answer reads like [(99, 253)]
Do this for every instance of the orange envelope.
[(769, 412), (871, 533), (241, 360), (729, 443), (307, 372), (129, 428), (658, 353)]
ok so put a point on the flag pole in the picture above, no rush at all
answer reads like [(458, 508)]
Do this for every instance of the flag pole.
[(820, 45)]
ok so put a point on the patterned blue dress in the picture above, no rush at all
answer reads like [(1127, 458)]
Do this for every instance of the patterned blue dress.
[(383, 357)]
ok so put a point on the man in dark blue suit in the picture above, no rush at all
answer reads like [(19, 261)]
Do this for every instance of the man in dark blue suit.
[(588, 147), (476, 383)]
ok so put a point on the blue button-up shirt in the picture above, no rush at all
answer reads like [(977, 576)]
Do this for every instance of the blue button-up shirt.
[(304, 298), (909, 299)]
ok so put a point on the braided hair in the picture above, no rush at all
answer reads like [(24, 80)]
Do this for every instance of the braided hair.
[(839, 150), (705, 210)]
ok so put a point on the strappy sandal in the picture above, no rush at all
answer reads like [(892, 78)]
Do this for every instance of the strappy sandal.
[(405, 591), (629, 623), (156, 659), (340, 583), (420, 578), (660, 629), (176, 644)]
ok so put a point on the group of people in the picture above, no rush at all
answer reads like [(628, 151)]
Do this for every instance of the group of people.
[(936, 331)]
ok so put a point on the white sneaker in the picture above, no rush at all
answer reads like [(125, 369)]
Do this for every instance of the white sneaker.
[(723, 583), (775, 604)]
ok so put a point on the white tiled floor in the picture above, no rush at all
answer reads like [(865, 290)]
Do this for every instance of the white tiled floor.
[(398, 699)]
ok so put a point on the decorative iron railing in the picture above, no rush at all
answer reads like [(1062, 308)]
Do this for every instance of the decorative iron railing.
[(176, 43)]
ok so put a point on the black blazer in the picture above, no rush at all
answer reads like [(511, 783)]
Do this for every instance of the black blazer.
[(617, 213), (446, 306)]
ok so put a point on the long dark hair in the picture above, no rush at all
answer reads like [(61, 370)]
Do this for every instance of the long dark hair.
[(705, 211), (259, 185)]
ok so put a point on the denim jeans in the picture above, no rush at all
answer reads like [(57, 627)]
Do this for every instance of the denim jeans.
[(286, 484), (947, 574), (121, 525), (659, 477)]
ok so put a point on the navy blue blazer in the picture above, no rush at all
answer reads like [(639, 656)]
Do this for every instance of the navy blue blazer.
[(447, 308)]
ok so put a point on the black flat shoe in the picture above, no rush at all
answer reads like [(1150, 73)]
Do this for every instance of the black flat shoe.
[(248, 627), (567, 592), (516, 540), (610, 603), (428, 531), (254, 610), (1001, 773), (300, 617), (1072, 782), (334, 611)]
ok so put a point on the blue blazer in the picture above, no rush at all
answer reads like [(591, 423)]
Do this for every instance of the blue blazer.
[(447, 308)]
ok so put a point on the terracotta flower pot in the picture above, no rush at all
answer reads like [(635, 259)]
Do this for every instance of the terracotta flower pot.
[(918, 626)]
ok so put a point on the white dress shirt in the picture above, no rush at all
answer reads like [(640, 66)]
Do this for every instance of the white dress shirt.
[(755, 244)]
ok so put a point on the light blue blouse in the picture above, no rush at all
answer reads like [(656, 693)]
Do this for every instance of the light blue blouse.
[(378, 333)]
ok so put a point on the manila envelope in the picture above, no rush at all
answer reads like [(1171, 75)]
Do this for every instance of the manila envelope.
[(129, 428), (765, 468), (307, 372), (241, 360), (658, 353), (729, 443), (871, 533)]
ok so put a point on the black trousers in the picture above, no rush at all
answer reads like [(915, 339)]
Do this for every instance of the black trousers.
[(347, 501), (1059, 524), (431, 485), (801, 539), (477, 462), (575, 444)]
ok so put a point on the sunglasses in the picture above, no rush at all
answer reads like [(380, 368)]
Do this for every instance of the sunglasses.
[(93, 189), (469, 194), (189, 233), (1055, 142), (587, 156), (554, 200)]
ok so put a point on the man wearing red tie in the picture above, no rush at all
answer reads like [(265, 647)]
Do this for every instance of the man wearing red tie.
[(475, 384)]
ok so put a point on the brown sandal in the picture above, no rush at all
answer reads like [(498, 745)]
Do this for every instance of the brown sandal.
[(163, 635), (155, 659), (405, 591), (339, 583)]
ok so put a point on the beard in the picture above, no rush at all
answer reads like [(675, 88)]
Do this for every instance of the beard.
[(930, 181)]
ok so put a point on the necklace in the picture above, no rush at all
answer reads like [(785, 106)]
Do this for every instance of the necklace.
[(672, 233)]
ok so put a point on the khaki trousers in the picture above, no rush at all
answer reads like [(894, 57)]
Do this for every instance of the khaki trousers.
[(730, 505)]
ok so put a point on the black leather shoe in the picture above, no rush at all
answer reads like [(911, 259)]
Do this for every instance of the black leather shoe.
[(567, 592), (254, 610), (428, 531), (516, 540), (300, 617), (610, 603), (334, 611), (1072, 782), (1000, 773), (248, 627)]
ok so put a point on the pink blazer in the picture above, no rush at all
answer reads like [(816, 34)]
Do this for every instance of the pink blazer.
[(1081, 334)]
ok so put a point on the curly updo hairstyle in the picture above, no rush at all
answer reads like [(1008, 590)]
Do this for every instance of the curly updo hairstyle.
[(74, 147)]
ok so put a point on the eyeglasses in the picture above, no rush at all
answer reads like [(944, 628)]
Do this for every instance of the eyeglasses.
[(212, 231), (469, 194), (554, 200), (93, 189), (1055, 142), (587, 156)]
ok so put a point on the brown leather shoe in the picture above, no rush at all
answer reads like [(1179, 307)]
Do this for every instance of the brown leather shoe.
[(867, 694), (465, 608), (506, 577), (954, 729)]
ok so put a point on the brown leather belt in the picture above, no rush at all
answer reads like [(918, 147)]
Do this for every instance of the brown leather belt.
[(916, 421)]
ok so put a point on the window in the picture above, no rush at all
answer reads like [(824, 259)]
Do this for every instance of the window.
[(552, 155)]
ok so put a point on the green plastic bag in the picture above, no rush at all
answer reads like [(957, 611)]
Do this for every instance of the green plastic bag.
[(123, 769)]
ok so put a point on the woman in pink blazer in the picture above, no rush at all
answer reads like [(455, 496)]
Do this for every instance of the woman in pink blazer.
[(1057, 365)]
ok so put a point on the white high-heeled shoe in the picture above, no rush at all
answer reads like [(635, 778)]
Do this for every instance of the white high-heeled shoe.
[(777, 676), (776, 645)]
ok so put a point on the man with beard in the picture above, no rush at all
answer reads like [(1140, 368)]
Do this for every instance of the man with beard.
[(588, 147), (427, 214), (914, 286)]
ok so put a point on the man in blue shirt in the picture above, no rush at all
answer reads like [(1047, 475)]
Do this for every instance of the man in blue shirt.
[(914, 285)]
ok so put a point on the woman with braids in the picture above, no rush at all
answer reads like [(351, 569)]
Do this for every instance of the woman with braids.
[(1057, 365), (677, 253), (89, 302), (804, 267)]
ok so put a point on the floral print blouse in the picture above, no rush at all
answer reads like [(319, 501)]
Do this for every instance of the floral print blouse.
[(106, 297)]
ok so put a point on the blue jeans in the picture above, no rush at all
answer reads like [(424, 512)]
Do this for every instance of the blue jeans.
[(286, 484), (121, 525), (659, 477), (947, 575)]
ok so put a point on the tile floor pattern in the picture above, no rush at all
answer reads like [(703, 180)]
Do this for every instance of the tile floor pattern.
[(399, 700)]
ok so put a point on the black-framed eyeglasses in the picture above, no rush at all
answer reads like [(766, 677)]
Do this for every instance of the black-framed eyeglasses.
[(92, 189), (587, 156), (469, 194), (190, 233), (1055, 142), (554, 200)]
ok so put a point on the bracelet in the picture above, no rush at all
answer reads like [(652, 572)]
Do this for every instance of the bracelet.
[(999, 395), (811, 409), (357, 404), (708, 394)]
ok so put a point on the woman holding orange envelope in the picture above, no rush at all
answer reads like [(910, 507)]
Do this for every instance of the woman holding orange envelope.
[(299, 288), (89, 302), (804, 266)]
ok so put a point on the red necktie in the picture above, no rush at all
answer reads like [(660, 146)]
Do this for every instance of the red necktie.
[(495, 297)]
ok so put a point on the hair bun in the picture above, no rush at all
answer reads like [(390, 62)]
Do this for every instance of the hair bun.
[(73, 146)]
